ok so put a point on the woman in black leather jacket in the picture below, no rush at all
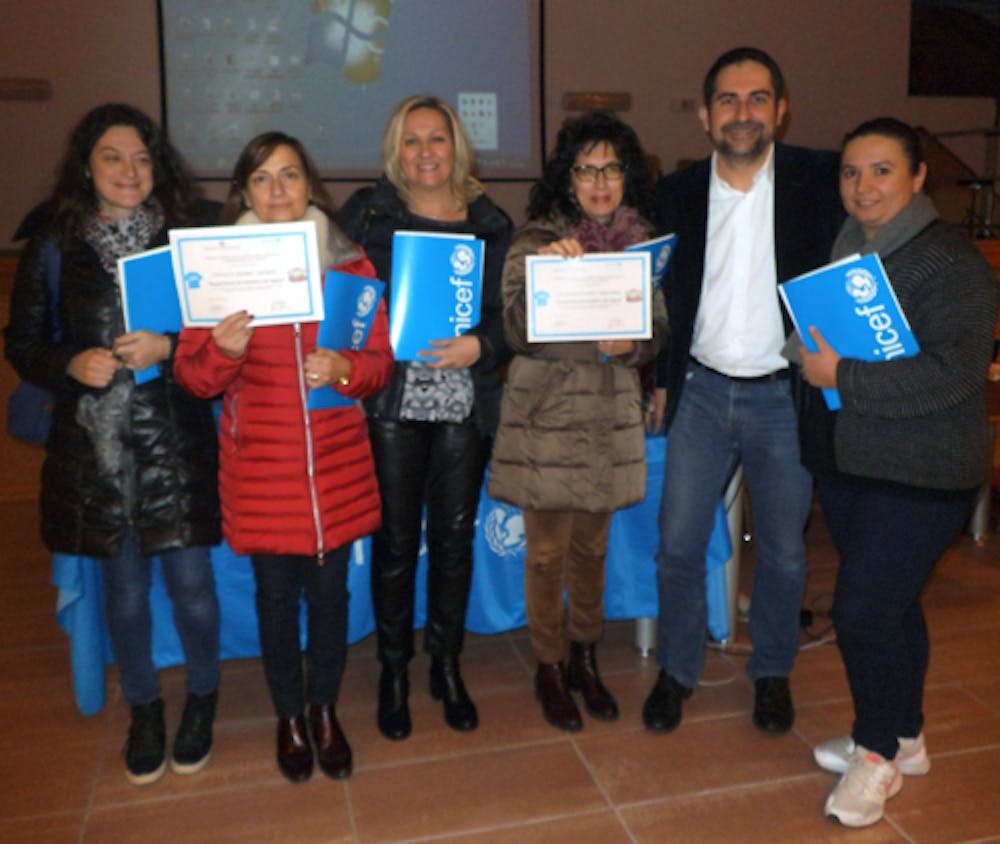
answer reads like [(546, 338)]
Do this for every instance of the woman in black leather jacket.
[(431, 427), (130, 469)]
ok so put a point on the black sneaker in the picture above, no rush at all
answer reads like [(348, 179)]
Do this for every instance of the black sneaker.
[(193, 741), (144, 748)]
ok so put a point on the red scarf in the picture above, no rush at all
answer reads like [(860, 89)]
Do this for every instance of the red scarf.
[(625, 228)]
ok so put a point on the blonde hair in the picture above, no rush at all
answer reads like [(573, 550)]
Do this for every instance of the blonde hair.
[(464, 186)]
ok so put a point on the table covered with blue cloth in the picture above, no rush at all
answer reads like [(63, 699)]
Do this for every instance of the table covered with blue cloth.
[(496, 602)]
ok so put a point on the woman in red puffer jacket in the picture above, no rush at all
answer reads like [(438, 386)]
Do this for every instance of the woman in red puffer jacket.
[(297, 485)]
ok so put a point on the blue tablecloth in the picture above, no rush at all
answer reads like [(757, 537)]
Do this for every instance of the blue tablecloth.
[(496, 602)]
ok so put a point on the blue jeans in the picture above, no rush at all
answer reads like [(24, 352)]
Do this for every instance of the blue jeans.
[(282, 580), (190, 584), (720, 422), (889, 540)]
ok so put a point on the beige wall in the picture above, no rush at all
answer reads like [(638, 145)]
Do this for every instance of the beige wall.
[(845, 60)]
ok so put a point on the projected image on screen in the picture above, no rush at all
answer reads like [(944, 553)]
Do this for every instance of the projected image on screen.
[(331, 71)]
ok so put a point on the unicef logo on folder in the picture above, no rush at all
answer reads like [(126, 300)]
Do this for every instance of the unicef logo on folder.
[(861, 285), (367, 300), (662, 259), (463, 259)]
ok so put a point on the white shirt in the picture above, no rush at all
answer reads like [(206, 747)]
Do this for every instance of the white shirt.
[(738, 329)]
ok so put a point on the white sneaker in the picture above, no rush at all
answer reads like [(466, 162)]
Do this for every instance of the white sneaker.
[(859, 798), (835, 754)]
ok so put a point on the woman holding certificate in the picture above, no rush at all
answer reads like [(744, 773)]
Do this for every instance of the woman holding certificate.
[(298, 485), (571, 447), (898, 465), (130, 468), (431, 427)]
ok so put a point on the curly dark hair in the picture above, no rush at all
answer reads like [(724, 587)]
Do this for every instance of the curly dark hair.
[(74, 198), (552, 195), (254, 154)]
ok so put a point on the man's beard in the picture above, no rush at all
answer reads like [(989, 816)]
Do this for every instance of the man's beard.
[(744, 156)]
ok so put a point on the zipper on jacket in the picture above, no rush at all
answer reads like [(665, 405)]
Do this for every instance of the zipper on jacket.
[(310, 461), (233, 423)]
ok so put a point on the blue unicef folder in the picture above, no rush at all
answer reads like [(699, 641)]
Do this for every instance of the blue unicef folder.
[(660, 250), (435, 291), (854, 307), (349, 303), (149, 298)]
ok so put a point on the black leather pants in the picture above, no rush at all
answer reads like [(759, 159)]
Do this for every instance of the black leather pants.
[(440, 465)]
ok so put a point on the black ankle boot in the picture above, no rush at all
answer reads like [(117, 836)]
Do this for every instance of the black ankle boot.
[(393, 704), (446, 683), (581, 675)]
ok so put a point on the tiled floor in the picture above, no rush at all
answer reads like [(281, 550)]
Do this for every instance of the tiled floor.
[(515, 779)]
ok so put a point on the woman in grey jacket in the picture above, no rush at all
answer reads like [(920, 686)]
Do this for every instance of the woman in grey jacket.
[(898, 465), (570, 449)]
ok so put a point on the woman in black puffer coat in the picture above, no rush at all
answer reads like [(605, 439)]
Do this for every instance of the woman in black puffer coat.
[(130, 470)]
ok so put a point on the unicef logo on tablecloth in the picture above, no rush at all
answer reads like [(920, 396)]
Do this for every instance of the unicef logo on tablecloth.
[(463, 259), (504, 530), (367, 300), (861, 285)]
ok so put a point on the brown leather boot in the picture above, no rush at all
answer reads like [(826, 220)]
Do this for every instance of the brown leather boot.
[(332, 750), (581, 676), (295, 753), (557, 703)]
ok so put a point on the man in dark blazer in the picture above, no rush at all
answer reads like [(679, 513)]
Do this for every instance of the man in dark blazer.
[(750, 215)]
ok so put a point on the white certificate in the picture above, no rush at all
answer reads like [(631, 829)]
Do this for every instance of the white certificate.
[(601, 296), (270, 270)]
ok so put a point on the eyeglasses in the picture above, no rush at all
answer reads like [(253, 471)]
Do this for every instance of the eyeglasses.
[(612, 171)]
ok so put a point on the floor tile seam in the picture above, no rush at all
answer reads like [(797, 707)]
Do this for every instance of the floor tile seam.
[(992, 705), (907, 838), (499, 827), (16, 495), (60, 648), (460, 754), (735, 788), (980, 621), (818, 703), (11, 820), (962, 751), (808, 745), (352, 819), (944, 677), (104, 753), (602, 789), (620, 728), (148, 795)]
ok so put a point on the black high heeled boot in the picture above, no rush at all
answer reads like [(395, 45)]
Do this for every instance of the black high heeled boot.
[(446, 683), (394, 704), (582, 676)]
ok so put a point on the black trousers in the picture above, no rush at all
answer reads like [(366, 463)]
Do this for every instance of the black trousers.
[(281, 580), (889, 540), (437, 465)]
